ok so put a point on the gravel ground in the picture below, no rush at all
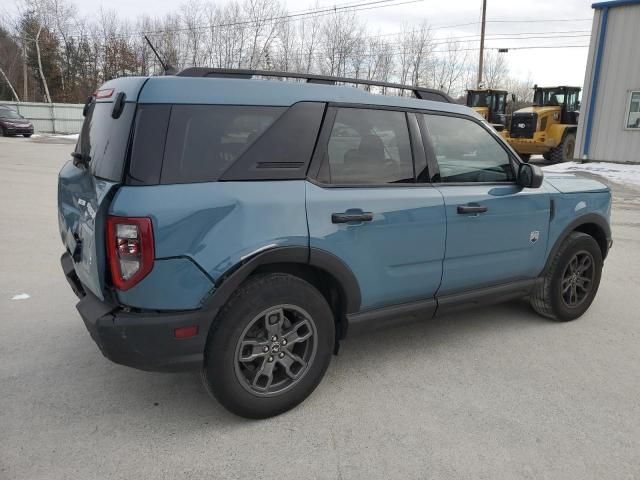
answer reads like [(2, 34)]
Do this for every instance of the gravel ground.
[(493, 393)]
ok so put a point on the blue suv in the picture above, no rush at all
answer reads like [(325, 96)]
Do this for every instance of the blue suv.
[(241, 224)]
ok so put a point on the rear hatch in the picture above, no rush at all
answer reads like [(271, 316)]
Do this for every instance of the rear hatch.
[(87, 182)]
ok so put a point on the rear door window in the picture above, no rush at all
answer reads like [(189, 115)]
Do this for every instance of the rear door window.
[(368, 147), (204, 140), (105, 139)]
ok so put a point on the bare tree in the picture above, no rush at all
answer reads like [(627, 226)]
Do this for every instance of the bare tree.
[(6, 79), (495, 69), (449, 68), (40, 69)]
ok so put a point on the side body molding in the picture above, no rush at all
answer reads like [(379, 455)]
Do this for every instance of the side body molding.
[(320, 259)]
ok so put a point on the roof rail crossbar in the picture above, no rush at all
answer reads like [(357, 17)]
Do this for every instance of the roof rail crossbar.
[(419, 92)]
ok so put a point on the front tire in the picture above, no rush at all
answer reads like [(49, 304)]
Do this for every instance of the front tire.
[(564, 151), (270, 346), (27, 135), (571, 282), (3, 132)]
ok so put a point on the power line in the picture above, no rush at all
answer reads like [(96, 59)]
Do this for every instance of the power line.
[(302, 15)]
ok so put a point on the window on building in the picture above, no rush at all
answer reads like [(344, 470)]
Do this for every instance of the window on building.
[(633, 117)]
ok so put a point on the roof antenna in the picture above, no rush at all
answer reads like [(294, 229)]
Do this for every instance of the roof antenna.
[(168, 69)]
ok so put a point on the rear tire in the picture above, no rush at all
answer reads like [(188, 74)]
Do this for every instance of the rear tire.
[(270, 346), (564, 151), (571, 282), (27, 135), (547, 156), (525, 157)]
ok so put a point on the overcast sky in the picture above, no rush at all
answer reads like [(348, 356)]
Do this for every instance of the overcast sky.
[(570, 19)]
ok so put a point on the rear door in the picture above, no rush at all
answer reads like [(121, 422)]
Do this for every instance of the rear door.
[(366, 208), (86, 182), (496, 230)]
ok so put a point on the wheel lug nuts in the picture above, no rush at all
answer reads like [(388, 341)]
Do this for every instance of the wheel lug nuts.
[(265, 349), (284, 341), (281, 355), (274, 339), (270, 359)]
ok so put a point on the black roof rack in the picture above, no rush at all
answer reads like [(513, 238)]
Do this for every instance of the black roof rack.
[(418, 92)]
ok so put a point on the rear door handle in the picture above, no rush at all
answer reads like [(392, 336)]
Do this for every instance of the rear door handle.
[(471, 208), (351, 217)]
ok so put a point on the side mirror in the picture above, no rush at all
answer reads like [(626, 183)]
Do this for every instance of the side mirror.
[(530, 176)]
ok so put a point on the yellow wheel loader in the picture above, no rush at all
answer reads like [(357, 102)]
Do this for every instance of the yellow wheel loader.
[(548, 127), (491, 104)]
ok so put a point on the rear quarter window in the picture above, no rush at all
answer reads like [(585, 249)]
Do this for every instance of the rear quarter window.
[(203, 141), (106, 139)]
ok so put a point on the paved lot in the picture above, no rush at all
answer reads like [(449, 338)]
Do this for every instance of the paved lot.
[(494, 393)]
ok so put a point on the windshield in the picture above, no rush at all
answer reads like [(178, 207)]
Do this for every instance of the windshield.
[(552, 97), (6, 113), (478, 99)]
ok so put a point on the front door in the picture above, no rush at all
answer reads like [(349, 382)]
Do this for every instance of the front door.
[(367, 209), (496, 230)]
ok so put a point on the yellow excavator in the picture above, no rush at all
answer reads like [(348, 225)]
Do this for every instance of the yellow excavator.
[(491, 104), (548, 127)]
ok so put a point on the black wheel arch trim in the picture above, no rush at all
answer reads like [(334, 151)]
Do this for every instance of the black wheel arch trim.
[(318, 258), (590, 218)]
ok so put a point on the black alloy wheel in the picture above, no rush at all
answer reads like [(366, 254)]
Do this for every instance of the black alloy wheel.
[(577, 279)]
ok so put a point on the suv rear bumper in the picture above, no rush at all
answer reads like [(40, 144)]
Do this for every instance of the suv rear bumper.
[(142, 340)]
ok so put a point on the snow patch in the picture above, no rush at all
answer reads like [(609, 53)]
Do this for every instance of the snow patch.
[(71, 136), (616, 172), (21, 296)]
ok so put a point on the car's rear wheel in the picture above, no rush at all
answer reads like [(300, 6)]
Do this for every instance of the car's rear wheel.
[(270, 346), (571, 282), (564, 151), (525, 157)]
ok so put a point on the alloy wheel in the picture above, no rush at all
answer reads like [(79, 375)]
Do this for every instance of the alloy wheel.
[(577, 279), (275, 350)]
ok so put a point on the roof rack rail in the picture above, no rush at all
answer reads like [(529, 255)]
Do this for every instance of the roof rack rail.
[(418, 92)]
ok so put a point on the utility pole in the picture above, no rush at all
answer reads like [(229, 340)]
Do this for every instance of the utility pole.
[(480, 64), (25, 87)]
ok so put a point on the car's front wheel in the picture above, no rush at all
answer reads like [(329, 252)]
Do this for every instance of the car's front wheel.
[(571, 281), (270, 346)]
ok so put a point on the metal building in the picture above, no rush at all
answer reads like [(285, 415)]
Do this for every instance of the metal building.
[(609, 125)]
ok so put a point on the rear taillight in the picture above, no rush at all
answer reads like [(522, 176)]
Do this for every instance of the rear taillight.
[(129, 250)]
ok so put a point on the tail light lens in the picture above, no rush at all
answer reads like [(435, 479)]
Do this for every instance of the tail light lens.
[(129, 250)]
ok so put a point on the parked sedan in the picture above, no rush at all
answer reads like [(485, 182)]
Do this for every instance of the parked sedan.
[(12, 123)]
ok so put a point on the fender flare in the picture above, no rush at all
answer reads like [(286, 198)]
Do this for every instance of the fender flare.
[(320, 259), (590, 218)]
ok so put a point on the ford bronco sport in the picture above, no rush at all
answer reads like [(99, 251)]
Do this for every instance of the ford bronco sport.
[(244, 226)]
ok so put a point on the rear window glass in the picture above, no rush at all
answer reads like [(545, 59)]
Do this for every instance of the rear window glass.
[(204, 140), (105, 139)]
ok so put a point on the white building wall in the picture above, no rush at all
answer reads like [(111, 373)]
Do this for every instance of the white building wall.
[(619, 74)]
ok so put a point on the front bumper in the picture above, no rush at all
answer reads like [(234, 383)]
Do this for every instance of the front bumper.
[(142, 340), (539, 144), (13, 130)]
